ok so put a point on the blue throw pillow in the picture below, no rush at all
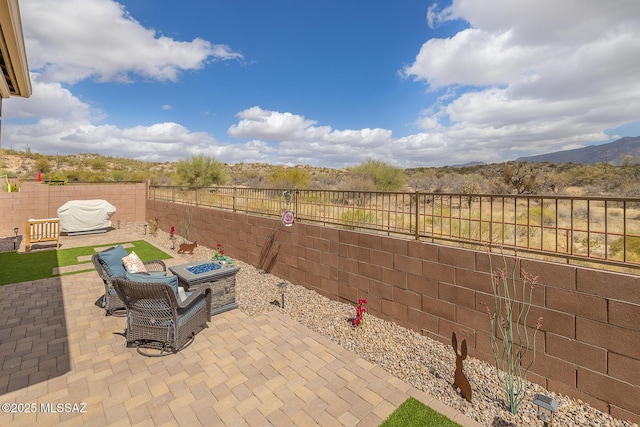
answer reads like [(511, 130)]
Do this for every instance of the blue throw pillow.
[(146, 278), (111, 260)]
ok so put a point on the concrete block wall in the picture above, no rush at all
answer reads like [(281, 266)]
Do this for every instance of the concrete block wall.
[(588, 346), (38, 200)]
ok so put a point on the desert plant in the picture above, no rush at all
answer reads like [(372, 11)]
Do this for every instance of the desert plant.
[(200, 171), (509, 337), (287, 177), (385, 177), (42, 165)]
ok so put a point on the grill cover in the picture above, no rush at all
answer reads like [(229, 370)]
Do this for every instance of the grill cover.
[(85, 215)]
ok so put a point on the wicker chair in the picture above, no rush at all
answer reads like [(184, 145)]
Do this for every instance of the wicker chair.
[(155, 318), (111, 302)]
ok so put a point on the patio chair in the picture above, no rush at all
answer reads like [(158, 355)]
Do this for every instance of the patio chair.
[(156, 320), (109, 265)]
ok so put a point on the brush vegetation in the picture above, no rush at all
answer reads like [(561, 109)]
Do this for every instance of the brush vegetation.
[(600, 179)]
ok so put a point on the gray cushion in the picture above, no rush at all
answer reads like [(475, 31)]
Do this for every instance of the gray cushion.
[(111, 260)]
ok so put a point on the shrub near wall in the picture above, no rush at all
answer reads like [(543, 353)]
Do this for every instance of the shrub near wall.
[(588, 347)]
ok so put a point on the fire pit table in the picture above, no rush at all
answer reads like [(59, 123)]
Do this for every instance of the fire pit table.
[(220, 278)]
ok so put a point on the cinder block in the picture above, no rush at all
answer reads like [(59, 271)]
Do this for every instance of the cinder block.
[(624, 368), (422, 320), (613, 338), (460, 258), (456, 295), (422, 285), (475, 280), (573, 351), (397, 311), (422, 250), (614, 391), (393, 277), (439, 308), (439, 272), (625, 315), (578, 303), (407, 264), (607, 284), (383, 290), (408, 298), (394, 246)]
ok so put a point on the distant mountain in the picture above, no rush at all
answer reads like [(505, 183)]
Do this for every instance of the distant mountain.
[(468, 164), (611, 152)]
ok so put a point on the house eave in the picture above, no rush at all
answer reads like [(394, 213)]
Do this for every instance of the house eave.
[(14, 79)]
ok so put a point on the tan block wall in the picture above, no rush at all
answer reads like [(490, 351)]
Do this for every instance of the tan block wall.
[(588, 347), (37, 200)]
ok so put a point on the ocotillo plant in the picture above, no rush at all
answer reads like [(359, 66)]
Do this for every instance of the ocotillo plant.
[(509, 323)]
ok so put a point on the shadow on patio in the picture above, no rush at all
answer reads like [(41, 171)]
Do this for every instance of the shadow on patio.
[(33, 334)]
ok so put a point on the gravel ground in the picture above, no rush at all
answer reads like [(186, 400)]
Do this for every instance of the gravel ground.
[(418, 360)]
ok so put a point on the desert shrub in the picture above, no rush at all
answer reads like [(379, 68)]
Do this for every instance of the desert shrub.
[(200, 171), (42, 165), (98, 164), (384, 176), (287, 177)]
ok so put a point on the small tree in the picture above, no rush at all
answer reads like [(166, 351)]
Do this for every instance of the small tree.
[(200, 171), (522, 177), (384, 176)]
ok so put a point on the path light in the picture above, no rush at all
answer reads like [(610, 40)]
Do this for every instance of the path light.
[(15, 240), (547, 407), (118, 224), (145, 229), (283, 289)]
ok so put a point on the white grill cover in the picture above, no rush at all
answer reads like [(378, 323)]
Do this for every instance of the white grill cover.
[(85, 215)]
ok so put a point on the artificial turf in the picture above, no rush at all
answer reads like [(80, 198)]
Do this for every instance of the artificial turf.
[(24, 267), (413, 413)]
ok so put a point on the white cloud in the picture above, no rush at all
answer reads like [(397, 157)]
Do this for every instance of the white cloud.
[(532, 75), (72, 40), (301, 142), (526, 77)]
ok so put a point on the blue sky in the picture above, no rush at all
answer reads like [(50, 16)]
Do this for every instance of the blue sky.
[(414, 83)]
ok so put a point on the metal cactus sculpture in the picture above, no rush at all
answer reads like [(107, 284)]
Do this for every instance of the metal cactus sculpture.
[(460, 380)]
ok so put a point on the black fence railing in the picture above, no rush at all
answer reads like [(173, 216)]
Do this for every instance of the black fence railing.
[(603, 230)]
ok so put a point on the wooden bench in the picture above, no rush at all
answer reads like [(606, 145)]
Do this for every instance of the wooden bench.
[(42, 230)]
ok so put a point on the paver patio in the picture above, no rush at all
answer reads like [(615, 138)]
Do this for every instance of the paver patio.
[(57, 347)]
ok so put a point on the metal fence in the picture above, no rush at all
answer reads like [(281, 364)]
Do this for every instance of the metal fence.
[(603, 230)]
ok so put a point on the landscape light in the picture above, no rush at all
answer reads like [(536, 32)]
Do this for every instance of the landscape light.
[(547, 407), (145, 229), (283, 289), (15, 240)]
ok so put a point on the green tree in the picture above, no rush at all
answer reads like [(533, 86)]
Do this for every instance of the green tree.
[(287, 177), (200, 171), (383, 176)]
